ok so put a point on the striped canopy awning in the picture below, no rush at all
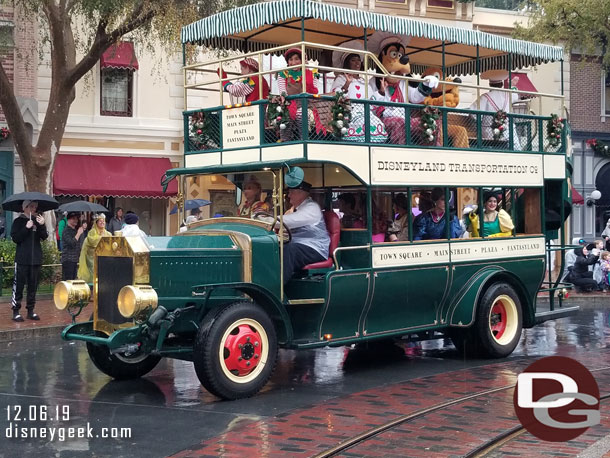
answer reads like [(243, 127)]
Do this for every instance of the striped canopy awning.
[(267, 24)]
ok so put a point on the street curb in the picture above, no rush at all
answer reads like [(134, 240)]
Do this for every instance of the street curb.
[(31, 333)]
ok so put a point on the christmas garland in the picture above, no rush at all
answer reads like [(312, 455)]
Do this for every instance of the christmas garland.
[(599, 146), (428, 120), (200, 130), (498, 124), (554, 128), (4, 133), (341, 110), (277, 111)]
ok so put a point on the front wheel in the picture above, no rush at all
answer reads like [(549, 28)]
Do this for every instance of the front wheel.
[(120, 366), (235, 351)]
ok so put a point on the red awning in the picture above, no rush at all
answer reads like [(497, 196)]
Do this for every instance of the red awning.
[(577, 198), (524, 84), (111, 176), (120, 55)]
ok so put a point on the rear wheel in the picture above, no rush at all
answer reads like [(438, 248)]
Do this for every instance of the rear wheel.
[(235, 351), (497, 328)]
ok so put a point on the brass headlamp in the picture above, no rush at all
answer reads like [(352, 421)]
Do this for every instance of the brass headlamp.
[(71, 292), (133, 299)]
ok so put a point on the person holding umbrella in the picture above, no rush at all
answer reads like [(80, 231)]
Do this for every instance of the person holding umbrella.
[(27, 232), (70, 241)]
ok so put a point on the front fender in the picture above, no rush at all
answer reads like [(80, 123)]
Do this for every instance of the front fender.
[(263, 297), (462, 311)]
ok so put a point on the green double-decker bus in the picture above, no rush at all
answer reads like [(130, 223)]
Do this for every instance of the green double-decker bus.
[(387, 175)]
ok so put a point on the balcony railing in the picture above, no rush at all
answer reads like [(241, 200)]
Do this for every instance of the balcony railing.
[(376, 122)]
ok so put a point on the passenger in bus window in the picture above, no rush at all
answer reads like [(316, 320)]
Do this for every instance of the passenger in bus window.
[(431, 225), (496, 222), (353, 86), (351, 218), (252, 203), (424, 205), (380, 227), (399, 230)]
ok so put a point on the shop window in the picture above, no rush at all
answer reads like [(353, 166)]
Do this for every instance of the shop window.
[(116, 92)]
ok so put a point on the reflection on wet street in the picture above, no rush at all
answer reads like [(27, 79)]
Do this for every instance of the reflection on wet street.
[(168, 410)]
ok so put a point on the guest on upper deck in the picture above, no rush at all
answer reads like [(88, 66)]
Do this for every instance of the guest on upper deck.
[(495, 101), (249, 86), (353, 86)]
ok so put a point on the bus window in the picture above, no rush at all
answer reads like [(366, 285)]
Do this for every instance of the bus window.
[(527, 211), (390, 216), (352, 209), (432, 223)]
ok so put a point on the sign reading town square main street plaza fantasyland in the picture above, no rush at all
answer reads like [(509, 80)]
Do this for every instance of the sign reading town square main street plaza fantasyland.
[(455, 168), (241, 127)]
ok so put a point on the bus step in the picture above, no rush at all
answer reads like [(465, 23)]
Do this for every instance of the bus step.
[(541, 317)]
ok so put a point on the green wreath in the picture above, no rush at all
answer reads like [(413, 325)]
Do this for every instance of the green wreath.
[(498, 124), (4, 133), (341, 110), (599, 146), (277, 111), (200, 130), (554, 129), (428, 120)]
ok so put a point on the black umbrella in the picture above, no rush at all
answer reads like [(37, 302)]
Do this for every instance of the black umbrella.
[(14, 203), (82, 206)]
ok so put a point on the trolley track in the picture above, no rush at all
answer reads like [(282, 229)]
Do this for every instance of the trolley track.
[(505, 437), (482, 450)]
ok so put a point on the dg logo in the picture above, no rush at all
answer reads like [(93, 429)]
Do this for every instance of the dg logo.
[(557, 399)]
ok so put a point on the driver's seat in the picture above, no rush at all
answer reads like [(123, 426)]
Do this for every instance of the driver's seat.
[(333, 227)]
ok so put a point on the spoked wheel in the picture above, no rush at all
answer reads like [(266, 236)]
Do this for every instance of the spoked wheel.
[(235, 351), (497, 329)]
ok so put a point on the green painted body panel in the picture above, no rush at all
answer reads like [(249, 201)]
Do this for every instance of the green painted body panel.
[(354, 259), (470, 280), (348, 293), (406, 298)]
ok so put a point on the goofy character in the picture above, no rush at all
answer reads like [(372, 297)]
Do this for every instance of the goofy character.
[(391, 50)]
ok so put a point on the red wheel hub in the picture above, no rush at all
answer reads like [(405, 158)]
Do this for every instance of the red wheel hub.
[(497, 320), (242, 350)]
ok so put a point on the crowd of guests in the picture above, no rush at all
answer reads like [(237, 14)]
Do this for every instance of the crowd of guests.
[(78, 241)]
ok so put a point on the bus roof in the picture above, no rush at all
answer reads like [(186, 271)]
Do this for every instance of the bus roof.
[(269, 24)]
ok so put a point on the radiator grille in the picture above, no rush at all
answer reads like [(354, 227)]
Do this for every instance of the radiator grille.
[(113, 273)]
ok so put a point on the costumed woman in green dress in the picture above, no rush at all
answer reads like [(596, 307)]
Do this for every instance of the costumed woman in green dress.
[(496, 222)]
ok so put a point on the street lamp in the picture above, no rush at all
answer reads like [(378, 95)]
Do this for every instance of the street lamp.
[(591, 198)]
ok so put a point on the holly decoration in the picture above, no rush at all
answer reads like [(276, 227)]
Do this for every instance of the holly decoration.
[(4, 133), (341, 110), (277, 111), (200, 130), (498, 124), (430, 116), (554, 128), (599, 146)]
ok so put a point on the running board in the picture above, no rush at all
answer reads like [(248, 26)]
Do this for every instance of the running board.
[(541, 317)]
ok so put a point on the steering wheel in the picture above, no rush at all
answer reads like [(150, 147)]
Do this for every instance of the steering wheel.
[(268, 218)]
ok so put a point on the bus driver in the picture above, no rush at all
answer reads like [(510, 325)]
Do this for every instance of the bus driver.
[(310, 240)]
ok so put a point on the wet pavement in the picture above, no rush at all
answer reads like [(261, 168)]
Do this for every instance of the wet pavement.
[(315, 399)]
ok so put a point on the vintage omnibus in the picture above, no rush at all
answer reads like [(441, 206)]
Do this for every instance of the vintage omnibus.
[(214, 293)]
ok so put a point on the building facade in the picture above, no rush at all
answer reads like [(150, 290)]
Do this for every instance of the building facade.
[(590, 120)]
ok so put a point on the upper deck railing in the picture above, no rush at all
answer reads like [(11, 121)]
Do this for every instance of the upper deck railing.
[(453, 128)]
